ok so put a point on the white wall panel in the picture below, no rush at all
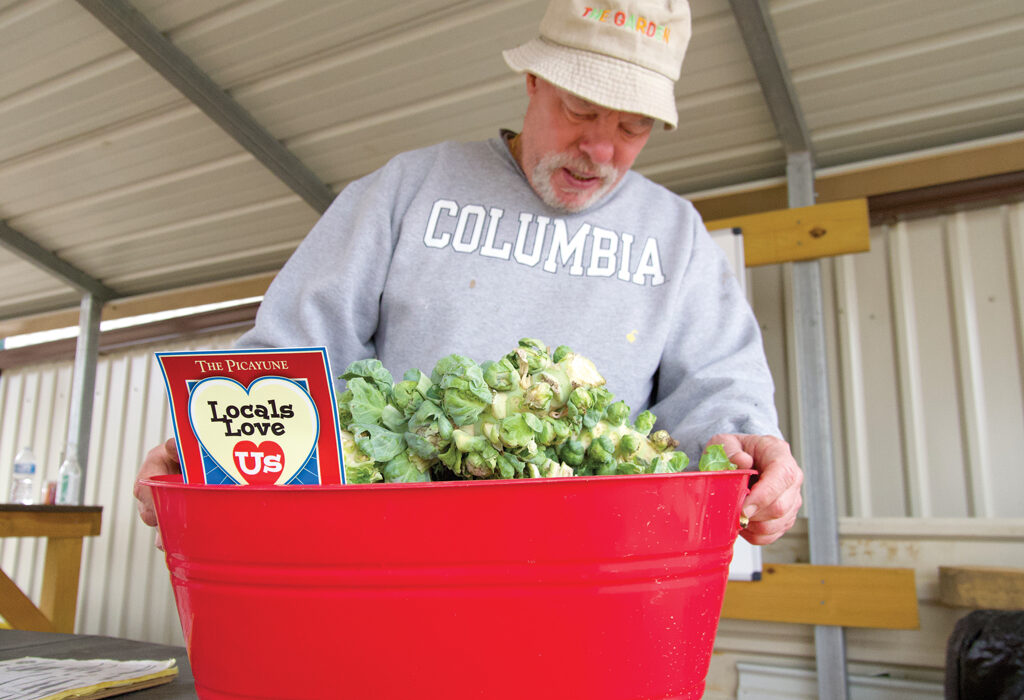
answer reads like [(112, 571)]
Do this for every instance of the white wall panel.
[(912, 415), (998, 356), (971, 384), (855, 426)]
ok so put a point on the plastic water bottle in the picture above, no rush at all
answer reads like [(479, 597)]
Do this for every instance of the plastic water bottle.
[(69, 479), (23, 478)]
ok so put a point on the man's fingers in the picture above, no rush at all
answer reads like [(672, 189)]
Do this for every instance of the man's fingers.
[(774, 500), (733, 450), (768, 531), (162, 459), (777, 491)]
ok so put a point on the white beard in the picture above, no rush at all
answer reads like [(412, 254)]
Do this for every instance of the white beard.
[(550, 164)]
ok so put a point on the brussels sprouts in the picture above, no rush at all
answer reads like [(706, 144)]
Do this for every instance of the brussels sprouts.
[(530, 414), (409, 393), (617, 413), (538, 397), (644, 423), (662, 441), (501, 375), (571, 452)]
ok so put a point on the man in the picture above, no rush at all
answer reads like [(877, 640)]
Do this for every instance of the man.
[(466, 247)]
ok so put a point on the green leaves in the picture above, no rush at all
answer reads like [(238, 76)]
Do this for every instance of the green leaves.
[(402, 470), (376, 442), (372, 371), (367, 401), (714, 459)]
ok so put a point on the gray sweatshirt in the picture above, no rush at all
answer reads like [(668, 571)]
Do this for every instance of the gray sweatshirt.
[(448, 250)]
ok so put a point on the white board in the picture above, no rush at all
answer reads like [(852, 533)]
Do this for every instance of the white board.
[(746, 557)]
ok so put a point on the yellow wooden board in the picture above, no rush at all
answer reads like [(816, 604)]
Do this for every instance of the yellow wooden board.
[(992, 587), (845, 596), (18, 610), (58, 599), (50, 521), (803, 233)]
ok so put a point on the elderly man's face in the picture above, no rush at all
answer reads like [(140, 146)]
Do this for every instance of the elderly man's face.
[(573, 151)]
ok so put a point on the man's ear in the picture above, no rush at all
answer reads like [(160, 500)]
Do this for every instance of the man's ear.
[(531, 84)]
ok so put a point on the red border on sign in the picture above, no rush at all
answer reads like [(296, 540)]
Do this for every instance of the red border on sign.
[(307, 364)]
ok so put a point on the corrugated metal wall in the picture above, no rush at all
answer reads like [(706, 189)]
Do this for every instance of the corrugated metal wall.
[(927, 350), (928, 393)]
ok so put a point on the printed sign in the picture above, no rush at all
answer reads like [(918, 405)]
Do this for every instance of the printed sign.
[(254, 416)]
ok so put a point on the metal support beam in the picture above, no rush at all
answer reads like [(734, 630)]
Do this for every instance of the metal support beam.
[(83, 381), (168, 60), (24, 247), (758, 32), (815, 448)]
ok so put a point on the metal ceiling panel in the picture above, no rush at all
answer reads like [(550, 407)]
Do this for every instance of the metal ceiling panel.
[(29, 287), (109, 167), (889, 76)]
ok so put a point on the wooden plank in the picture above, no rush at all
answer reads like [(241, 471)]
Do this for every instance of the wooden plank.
[(988, 587), (20, 612), (803, 233), (50, 521), (61, 571), (846, 596)]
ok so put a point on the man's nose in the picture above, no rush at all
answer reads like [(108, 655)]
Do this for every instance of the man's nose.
[(597, 143)]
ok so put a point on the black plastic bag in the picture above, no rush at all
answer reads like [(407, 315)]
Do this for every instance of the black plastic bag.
[(985, 656)]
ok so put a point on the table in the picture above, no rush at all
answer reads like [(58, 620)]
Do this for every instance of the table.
[(15, 644), (64, 527)]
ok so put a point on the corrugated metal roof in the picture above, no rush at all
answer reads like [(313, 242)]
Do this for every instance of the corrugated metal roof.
[(110, 167)]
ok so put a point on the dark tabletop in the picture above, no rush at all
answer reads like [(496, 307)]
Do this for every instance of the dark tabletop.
[(15, 644)]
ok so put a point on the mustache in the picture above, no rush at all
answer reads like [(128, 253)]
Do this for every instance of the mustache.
[(580, 165)]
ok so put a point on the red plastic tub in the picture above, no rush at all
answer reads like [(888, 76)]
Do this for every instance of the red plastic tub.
[(582, 587)]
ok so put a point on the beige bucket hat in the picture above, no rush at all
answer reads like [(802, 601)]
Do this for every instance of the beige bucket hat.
[(621, 55)]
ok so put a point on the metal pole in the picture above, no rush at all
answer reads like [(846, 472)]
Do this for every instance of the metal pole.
[(83, 382), (815, 434)]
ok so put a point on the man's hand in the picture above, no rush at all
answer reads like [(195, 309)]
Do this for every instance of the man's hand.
[(774, 500), (162, 459)]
